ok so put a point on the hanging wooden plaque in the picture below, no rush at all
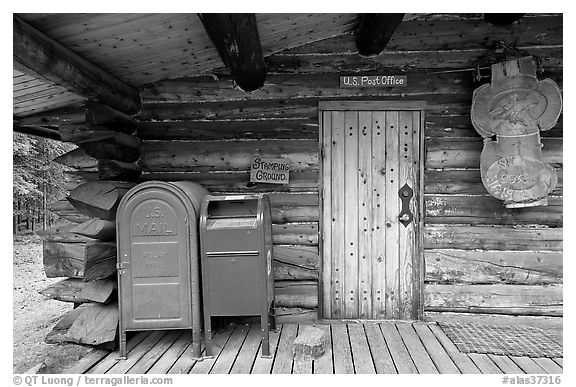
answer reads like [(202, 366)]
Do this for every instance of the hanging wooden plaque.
[(509, 113)]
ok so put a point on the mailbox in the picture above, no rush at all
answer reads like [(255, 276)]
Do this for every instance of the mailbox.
[(158, 264), (236, 261)]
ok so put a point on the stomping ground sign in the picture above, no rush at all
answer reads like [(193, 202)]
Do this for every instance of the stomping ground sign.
[(268, 170)]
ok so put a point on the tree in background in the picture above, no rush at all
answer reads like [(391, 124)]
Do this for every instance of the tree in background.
[(37, 181)]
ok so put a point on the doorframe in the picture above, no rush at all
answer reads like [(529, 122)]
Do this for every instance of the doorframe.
[(418, 265)]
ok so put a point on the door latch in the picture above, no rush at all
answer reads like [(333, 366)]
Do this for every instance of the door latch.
[(406, 216)]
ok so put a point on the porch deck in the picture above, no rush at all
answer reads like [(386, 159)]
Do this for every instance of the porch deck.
[(361, 348)]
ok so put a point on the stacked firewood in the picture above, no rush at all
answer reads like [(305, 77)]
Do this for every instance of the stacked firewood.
[(84, 252)]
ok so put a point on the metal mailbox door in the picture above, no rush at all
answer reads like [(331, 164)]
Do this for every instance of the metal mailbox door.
[(155, 262)]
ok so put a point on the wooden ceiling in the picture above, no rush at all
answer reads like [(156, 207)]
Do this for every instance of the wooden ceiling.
[(144, 48), (140, 49)]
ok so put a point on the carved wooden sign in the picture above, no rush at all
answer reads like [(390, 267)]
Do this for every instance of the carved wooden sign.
[(509, 113), (270, 170)]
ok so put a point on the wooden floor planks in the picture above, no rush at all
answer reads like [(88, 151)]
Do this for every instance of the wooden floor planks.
[(325, 364), (341, 351), (383, 362), (283, 360), (463, 362), (437, 353), (363, 363), (165, 362), (248, 352), (484, 363), (386, 347), (400, 354)]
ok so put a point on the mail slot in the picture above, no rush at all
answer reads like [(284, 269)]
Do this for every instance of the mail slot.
[(158, 264), (236, 261)]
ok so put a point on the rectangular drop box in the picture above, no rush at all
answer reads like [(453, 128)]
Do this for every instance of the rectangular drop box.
[(236, 253)]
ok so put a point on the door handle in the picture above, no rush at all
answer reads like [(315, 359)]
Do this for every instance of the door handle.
[(406, 217)]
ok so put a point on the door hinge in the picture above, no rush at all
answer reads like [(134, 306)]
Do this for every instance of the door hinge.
[(322, 152), (322, 193)]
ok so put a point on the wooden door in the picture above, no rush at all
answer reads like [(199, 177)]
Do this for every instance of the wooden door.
[(371, 261)]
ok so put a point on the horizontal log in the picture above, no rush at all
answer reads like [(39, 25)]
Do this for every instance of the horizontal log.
[(297, 255), (238, 181), (299, 294), (468, 182), (102, 116), (461, 126), (37, 54), (283, 271), (77, 133), (295, 262), (465, 152), (78, 159), (283, 199), (86, 260), (284, 86), (63, 259), (295, 315), (437, 103), (229, 155), (58, 333), (295, 234), (495, 267), (64, 233), (118, 170), (99, 199), (112, 145), (39, 131), (55, 117), (229, 130), (65, 210), (441, 34), (78, 291), (103, 230), (539, 300), (286, 214), (388, 61), (294, 207), (73, 179), (492, 238), (448, 209), (96, 325)]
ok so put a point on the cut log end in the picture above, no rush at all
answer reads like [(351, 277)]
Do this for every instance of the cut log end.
[(310, 344)]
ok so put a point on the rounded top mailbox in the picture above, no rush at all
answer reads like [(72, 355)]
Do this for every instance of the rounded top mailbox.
[(158, 264)]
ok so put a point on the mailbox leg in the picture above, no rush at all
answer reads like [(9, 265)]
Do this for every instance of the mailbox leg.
[(122, 339), (272, 317), (265, 335), (196, 351), (208, 335)]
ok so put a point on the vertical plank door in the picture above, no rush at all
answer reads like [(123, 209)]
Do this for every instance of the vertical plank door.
[(370, 259)]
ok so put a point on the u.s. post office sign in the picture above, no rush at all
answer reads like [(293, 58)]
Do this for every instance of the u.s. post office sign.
[(373, 81), (270, 170)]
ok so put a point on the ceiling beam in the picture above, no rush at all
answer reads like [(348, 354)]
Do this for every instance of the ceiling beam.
[(375, 30), (41, 56), (235, 36), (502, 19)]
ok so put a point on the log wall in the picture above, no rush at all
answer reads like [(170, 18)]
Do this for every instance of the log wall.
[(480, 257)]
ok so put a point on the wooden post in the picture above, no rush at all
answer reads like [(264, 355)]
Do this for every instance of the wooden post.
[(235, 36), (502, 19), (375, 31)]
